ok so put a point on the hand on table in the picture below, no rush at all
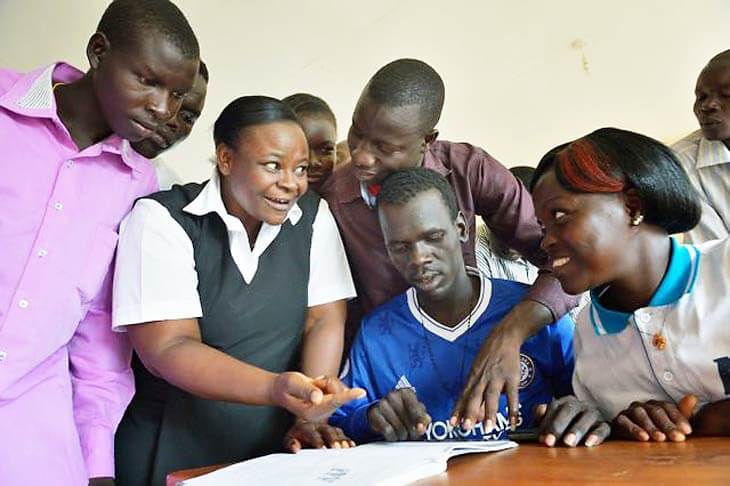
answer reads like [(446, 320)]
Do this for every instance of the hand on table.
[(655, 420), (572, 421), (399, 416), (315, 435), (495, 369)]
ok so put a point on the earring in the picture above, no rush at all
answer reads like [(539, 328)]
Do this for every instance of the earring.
[(637, 219)]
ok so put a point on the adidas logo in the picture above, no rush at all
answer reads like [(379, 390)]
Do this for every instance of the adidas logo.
[(404, 383)]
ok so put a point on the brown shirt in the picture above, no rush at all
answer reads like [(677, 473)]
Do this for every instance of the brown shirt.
[(483, 186)]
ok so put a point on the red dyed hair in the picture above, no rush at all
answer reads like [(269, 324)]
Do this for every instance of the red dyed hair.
[(582, 168)]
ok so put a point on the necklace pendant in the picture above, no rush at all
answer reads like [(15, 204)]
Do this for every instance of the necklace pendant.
[(659, 341)]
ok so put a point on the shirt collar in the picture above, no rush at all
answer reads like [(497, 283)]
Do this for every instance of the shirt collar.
[(431, 160), (712, 152), (32, 96), (210, 201), (678, 280), (451, 334), (351, 189)]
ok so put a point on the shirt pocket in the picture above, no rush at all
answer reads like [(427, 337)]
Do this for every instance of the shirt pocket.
[(97, 263)]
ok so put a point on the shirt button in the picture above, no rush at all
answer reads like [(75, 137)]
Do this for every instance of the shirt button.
[(3, 355), (23, 303), (645, 317), (69, 163), (668, 376), (58, 206), (42, 253)]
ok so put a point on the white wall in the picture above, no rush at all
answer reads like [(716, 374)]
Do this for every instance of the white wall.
[(518, 81)]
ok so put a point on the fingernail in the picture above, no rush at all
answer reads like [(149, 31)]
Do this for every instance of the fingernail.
[(453, 421), (570, 440), (550, 440), (467, 424), (488, 426), (591, 441), (336, 445)]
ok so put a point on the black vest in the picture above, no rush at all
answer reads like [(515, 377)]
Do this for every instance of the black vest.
[(260, 323)]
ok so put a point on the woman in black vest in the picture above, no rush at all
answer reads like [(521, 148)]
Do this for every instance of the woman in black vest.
[(218, 288)]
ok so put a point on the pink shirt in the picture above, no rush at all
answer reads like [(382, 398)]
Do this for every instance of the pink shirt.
[(65, 379)]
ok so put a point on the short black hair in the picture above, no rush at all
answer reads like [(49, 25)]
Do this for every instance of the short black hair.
[(723, 57), (305, 103), (406, 82), (403, 185), (668, 199), (203, 70), (523, 173), (124, 20), (248, 111)]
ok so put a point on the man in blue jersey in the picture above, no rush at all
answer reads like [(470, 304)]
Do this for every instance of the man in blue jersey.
[(413, 354)]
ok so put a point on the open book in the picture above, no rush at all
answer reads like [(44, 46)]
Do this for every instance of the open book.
[(381, 463)]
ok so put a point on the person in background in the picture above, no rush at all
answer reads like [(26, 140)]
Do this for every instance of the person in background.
[(652, 350), (67, 178), (175, 130), (343, 153), (225, 288), (705, 154), (320, 128), (494, 258)]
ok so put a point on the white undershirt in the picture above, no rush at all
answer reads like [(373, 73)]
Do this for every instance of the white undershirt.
[(155, 276)]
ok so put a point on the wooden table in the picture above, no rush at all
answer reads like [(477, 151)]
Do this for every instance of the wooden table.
[(697, 461)]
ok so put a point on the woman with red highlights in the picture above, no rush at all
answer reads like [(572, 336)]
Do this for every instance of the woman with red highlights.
[(653, 347)]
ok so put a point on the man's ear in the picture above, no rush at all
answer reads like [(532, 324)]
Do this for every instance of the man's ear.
[(431, 137), (224, 158), (462, 228), (632, 203), (97, 48)]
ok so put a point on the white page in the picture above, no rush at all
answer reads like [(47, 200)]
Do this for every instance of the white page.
[(379, 463)]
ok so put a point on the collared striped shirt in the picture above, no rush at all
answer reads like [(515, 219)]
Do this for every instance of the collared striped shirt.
[(707, 163)]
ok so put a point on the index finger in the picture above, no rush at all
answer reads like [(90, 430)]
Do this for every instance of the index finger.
[(332, 402), (491, 401), (417, 411), (513, 401)]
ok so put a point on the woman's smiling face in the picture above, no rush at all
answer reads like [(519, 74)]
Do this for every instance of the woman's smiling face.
[(585, 234), (267, 170)]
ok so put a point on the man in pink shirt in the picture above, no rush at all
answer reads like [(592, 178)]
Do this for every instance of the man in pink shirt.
[(67, 177)]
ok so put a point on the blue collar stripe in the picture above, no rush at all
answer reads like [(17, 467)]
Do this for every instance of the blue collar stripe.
[(679, 279)]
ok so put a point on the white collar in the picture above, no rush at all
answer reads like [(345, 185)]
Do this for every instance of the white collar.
[(210, 201), (245, 255), (712, 152), (451, 334)]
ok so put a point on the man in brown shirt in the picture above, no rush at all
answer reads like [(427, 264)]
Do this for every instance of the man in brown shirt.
[(393, 127)]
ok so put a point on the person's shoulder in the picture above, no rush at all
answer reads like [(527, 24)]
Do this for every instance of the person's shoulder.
[(688, 146), (397, 307), (508, 290), (716, 253), (8, 78), (460, 155)]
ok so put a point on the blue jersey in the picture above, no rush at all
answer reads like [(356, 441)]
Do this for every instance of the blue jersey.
[(399, 345)]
